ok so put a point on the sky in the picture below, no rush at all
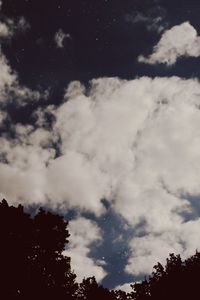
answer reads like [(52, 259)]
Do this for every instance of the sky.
[(99, 120)]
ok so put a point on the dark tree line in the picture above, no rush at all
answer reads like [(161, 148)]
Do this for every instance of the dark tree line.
[(32, 265)]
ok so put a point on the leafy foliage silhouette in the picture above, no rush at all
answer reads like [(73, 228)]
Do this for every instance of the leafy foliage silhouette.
[(32, 265), (90, 290), (177, 280), (31, 261)]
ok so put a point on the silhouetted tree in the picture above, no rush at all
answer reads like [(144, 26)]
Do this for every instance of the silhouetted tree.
[(32, 264), (177, 280), (90, 290), (121, 295)]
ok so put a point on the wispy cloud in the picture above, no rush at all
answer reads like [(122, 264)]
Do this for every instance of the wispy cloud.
[(154, 19), (59, 38)]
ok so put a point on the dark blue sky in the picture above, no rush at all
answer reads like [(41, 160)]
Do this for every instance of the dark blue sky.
[(104, 39)]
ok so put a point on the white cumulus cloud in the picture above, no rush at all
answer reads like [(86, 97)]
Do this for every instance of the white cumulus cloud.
[(181, 40), (4, 30), (126, 287), (135, 143), (84, 233)]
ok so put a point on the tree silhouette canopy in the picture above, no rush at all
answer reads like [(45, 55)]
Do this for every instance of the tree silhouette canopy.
[(177, 280), (31, 261), (32, 265)]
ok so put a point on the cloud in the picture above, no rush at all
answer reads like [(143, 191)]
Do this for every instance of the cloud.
[(135, 143), (4, 30), (10, 89), (22, 25), (152, 248), (131, 142), (9, 83), (152, 23), (179, 41), (59, 38), (125, 287), (84, 234), (10, 27), (7, 76), (15, 151), (153, 19), (23, 165)]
